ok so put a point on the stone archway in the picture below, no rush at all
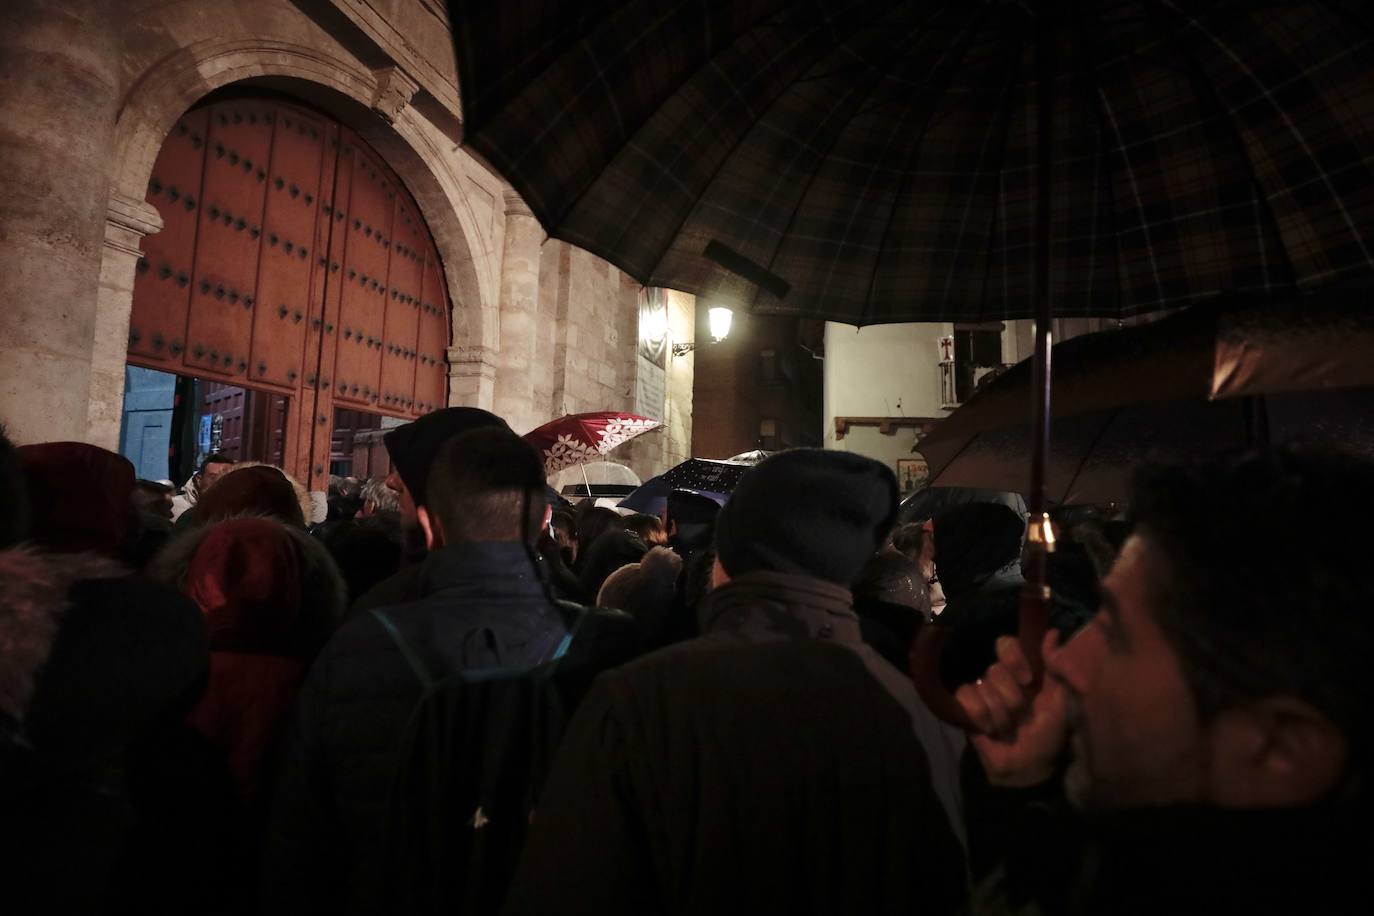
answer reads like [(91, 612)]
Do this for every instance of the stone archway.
[(411, 146)]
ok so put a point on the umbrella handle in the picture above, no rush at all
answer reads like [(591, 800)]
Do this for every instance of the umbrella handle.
[(924, 660), (1033, 620)]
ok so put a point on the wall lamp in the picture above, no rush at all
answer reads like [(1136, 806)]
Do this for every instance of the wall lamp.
[(719, 319)]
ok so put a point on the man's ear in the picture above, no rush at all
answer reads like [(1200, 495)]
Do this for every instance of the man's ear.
[(1275, 752), (429, 524)]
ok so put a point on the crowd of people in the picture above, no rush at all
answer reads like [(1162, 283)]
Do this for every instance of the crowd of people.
[(457, 693)]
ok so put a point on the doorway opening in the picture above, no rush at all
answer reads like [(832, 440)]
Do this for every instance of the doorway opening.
[(171, 423)]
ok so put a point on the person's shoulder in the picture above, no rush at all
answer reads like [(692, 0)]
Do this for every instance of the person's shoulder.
[(400, 587)]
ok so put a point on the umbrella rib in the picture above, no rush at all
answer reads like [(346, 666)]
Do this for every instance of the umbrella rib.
[(720, 166), (1263, 210), (1115, 128), (1297, 134), (811, 179), (1004, 113), (1087, 453), (955, 59), (1104, 183)]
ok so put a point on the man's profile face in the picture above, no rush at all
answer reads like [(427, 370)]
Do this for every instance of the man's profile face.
[(1135, 731), (212, 472)]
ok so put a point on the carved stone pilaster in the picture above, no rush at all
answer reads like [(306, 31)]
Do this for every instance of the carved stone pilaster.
[(515, 204), (472, 376), (395, 89), (128, 221)]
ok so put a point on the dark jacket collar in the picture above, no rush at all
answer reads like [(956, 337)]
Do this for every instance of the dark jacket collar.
[(1202, 859), (484, 567), (764, 606)]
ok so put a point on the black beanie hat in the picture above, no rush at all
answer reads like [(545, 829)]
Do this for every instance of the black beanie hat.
[(808, 511), (414, 446)]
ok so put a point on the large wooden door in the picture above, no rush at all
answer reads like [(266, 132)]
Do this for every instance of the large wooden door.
[(291, 261)]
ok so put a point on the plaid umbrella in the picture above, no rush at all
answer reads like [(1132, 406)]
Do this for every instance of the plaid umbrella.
[(876, 161)]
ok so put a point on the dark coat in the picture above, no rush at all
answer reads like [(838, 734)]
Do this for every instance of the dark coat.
[(979, 614), (1185, 860), (254, 678), (482, 607), (101, 784), (772, 765)]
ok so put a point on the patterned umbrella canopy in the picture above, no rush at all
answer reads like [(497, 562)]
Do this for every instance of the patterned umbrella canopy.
[(870, 161), (581, 437)]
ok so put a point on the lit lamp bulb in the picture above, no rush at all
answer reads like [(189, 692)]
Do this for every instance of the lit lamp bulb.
[(720, 318)]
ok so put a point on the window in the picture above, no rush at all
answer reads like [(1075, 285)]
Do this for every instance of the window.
[(768, 366), (768, 434)]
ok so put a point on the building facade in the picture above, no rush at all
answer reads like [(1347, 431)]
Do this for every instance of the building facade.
[(759, 388), (888, 385), (459, 297)]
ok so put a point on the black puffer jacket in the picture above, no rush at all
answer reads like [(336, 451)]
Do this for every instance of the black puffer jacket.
[(482, 607), (101, 784)]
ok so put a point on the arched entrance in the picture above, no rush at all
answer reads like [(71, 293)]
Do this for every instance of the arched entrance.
[(294, 267)]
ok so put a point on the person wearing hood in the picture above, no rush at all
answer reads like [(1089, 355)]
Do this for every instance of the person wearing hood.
[(413, 448), (481, 603), (271, 597), (110, 802), (979, 555), (774, 764)]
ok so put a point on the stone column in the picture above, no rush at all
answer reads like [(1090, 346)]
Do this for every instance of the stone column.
[(519, 308), (471, 377), (127, 222), (59, 64)]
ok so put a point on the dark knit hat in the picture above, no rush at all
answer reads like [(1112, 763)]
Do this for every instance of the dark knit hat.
[(808, 511), (414, 446)]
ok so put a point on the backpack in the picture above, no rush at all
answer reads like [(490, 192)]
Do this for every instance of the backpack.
[(473, 757)]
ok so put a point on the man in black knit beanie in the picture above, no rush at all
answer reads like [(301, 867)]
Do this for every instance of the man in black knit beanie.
[(775, 763)]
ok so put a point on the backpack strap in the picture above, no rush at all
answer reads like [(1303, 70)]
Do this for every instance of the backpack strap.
[(573, 615), (407, 651)]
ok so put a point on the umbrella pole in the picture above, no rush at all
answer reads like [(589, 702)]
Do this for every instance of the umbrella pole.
[(585, 482), (1035, 596)]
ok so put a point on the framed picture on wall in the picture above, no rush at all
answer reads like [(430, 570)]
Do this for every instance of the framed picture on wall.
[(912, 473)]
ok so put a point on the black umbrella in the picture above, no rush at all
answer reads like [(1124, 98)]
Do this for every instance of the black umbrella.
[(877, 160), (1125, 398), (702, 475)]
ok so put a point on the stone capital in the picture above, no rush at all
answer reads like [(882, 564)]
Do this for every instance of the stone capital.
[(128, 221), (395, 89), (473, 361), (515, 204)]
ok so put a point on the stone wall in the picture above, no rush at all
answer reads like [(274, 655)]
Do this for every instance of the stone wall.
[(539, 328)]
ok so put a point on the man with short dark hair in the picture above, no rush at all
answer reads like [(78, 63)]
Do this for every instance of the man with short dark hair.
[(481, 605), (413, 448), (215, 466), (1216, 708)]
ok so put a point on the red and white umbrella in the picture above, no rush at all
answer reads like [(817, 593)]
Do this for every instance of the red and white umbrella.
[(581, 437)]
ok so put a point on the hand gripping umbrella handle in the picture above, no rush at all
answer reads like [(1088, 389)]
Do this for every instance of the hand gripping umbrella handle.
[(1033, 621)]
